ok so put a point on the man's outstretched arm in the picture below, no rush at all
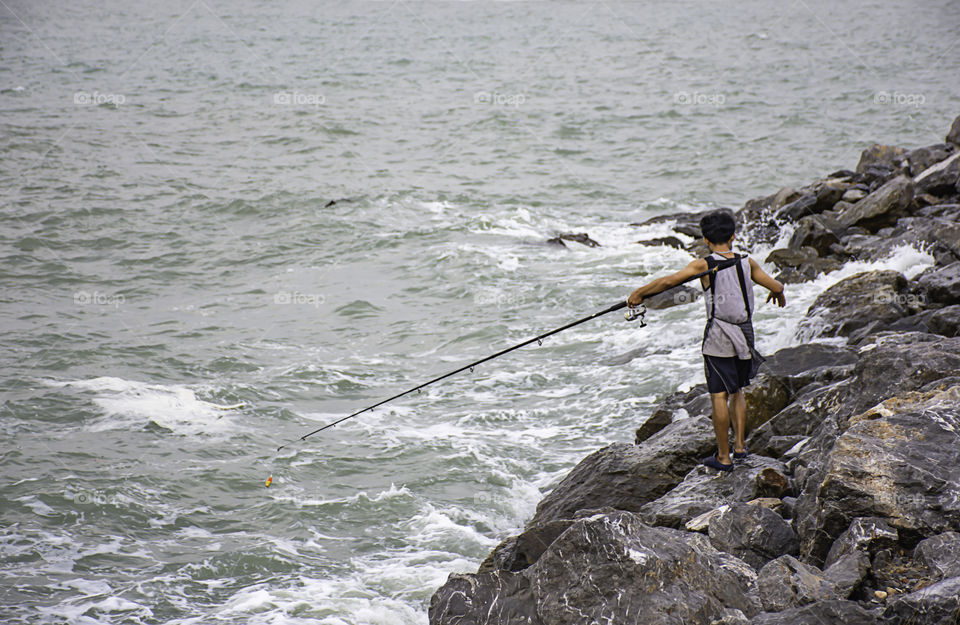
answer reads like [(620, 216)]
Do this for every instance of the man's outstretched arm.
[(662, 284)]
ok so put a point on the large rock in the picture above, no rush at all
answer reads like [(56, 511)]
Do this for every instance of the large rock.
[(886, 155), (847, 573), (945, 322), (625, 476), (953, 136), (939, 236), (818, 232), (938, 604), (518, 552), (940, 179), (940, 554), (752, 533), (942, 285), (703, 489), (605, 568), (797, 367), (679, 405), (882, 207), (786, 583), (862, 301), (821, 613), (899, 461), (921, 159), (799, 419)]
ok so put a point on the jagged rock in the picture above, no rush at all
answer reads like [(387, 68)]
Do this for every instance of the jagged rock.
[(756, 224), (940, 554), (864, 300), (899, 461), (804, 205), (821, 613), (731, 616), (854, 195), (663, 241), (519, 552), (938, 236), (582, 238), (884, 155), (800, 418), (882, 207), (847, 573), (954, 135), (942, 285), (484, 599), (945, 322), (804, 260), (921, 159), (949, 212), (625, 476), (865, 534), (796, 367), (752, 533), (941, 178), (786, 582), (938, 604), (676, 296), (765, 396), (818, 232), (702, 489), (692, 403), (776, 446)]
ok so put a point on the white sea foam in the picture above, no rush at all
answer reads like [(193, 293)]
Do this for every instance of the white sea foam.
[(129, 403)]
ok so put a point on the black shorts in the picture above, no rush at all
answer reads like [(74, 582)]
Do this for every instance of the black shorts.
[(727, 375)]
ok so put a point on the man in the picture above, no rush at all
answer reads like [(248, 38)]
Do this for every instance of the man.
[(729, 357)]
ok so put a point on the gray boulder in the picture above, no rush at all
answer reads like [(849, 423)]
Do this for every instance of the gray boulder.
[(847, 573), (945, 322), (821, 613), (882, 207), (940, 554), (625, 476), (942, 285), (938, 604), (703, 489), (861, 302), (941, 178), (819, 232), (786, 583), (753, 533), (953, 136), (885, 155), (899, 461), (692, 403), (495, 598), (920, 159)]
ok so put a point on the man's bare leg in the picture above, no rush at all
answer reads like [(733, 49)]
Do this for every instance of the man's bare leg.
[(721, 426), (738, 413)]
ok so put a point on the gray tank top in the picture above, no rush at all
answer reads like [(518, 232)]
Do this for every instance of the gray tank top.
[(730, 305)]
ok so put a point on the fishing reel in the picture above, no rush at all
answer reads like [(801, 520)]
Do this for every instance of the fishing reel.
[(633, 314)]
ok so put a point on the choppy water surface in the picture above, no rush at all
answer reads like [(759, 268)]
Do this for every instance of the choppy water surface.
[(169, 252)]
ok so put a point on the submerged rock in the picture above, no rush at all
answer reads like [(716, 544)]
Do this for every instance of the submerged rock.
[(582, 238)]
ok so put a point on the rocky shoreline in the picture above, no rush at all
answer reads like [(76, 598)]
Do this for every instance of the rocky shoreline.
[(848, 506)]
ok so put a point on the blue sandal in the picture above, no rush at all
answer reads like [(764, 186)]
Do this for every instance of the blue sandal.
[(713, 463), (740, 455)]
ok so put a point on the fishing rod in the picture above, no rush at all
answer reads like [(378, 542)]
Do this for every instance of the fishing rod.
[(631, 315)]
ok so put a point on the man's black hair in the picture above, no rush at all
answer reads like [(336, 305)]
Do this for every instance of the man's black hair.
[(718, 226)]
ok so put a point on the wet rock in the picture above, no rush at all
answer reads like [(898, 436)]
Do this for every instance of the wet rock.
[(663, 241), (519, 552), (677, 296), (803, 260), (679, 405), (863, 300), (582, 238), (899, 461), (818, 232), (941, 178), (882, 207), (802, 206), (940, 554), (942, 285), (847, 573), (938, 236), (938, 604), (625, 476), (704, 489), (614, 568), (752, 533), (786, 583), (484, 599), (684, 223), (883, 155), (865, 534), (921, 159), (821, 613)]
